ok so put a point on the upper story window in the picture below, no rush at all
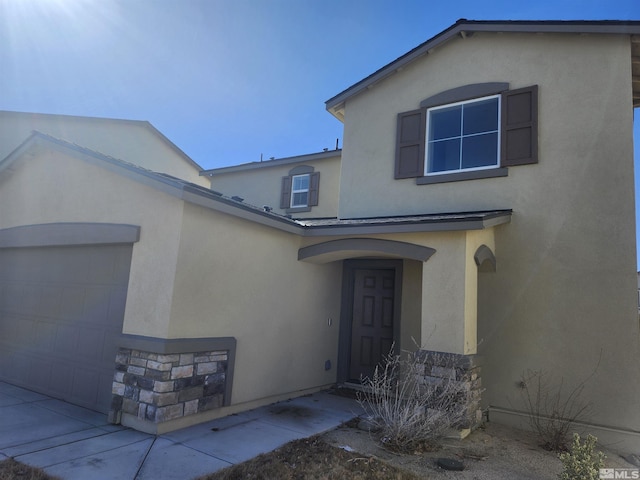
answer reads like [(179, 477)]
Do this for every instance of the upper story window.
[(300, 189), (463, 136), (470, 132)]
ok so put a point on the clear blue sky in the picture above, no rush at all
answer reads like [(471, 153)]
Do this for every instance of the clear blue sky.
[(230, 80)]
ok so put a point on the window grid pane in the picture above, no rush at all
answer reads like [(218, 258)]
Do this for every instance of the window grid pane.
[(300, 191), (463, 136)]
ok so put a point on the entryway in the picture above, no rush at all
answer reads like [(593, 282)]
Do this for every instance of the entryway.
[(371, 320)]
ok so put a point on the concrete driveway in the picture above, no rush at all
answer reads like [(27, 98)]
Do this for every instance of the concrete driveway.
[(74, 443)]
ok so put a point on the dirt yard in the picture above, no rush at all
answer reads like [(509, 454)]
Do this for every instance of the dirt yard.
[(493, 452)]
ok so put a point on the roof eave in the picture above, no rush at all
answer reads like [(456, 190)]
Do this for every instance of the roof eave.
[(274, 163), (471, 223), (464, 28)]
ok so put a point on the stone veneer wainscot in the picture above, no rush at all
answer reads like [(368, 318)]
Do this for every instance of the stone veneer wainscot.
[(159, 387)]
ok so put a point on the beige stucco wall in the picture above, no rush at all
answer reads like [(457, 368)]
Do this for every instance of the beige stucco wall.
[(236, 278), (262, 186), (564, 293), (132, 141), (439, 296), (51, 187)]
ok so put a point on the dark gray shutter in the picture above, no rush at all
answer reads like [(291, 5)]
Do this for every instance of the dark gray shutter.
[(314, 188), (285, 193), (410, 144), (520, 127)]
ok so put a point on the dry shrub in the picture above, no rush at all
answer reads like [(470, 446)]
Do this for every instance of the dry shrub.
[(551, 409), (411, 411)]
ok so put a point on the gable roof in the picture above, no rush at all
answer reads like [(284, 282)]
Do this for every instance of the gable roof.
[(464, 28), (141, 123)]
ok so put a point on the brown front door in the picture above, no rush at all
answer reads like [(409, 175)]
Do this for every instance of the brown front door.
[(372, 329)]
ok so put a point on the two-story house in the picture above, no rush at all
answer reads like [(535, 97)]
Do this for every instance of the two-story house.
[(482, 205)]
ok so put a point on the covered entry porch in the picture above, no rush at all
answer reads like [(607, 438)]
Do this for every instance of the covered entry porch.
[(411, 285)]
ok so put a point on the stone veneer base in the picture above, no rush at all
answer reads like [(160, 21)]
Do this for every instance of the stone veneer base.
[(439, 366), (164, 382)]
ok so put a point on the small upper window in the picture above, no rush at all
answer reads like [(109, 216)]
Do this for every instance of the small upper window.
[(300, 191), (463, 136)]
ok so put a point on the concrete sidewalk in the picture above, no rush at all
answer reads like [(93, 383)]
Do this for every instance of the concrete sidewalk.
[(74, 443)]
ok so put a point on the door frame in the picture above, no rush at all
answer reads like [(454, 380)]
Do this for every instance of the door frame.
[(349, 268)]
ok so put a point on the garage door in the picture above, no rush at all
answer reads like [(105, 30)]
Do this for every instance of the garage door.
[(61, 313)]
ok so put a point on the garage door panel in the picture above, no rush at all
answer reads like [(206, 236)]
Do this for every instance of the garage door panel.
[(96, 305), (18, 365), (61, 380), (103, 268), (72, 302), (61, 315), (50, 301), (18, 330), (91, 344), (109, 350), (66, 340), (117, 304), (45, 335), (85, 386), (40, 371)]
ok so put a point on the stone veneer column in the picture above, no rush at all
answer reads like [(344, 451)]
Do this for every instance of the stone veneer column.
[(440, 366), (161, 387)]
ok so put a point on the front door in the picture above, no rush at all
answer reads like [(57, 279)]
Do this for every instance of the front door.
[(372, 315)]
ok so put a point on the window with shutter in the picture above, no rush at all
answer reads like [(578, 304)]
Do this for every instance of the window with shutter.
[(470, 138), (300, 189)]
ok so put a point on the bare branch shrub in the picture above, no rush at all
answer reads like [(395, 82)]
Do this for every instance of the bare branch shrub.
[(412, 411), (552, 411)]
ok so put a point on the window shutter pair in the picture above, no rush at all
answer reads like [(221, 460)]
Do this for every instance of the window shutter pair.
[(314, 190), (519, 134)]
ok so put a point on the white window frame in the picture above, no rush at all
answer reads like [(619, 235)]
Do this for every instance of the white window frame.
[(455, 104), (302, 190)]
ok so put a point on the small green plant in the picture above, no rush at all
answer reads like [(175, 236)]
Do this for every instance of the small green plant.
[(582, 462)]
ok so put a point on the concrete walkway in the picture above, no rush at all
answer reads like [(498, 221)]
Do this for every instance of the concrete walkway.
[(74, 443)]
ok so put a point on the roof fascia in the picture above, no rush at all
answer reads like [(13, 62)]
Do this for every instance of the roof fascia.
[(311, 157), (464, 28), (237, 209), (478, 223)]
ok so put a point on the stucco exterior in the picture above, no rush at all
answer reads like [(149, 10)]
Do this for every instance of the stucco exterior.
[(530, 270), (285, 335), (260, 183), (137, 142), (563, 298), (30, 198)]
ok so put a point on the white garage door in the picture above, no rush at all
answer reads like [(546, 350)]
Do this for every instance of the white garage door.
[(61, 312)]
